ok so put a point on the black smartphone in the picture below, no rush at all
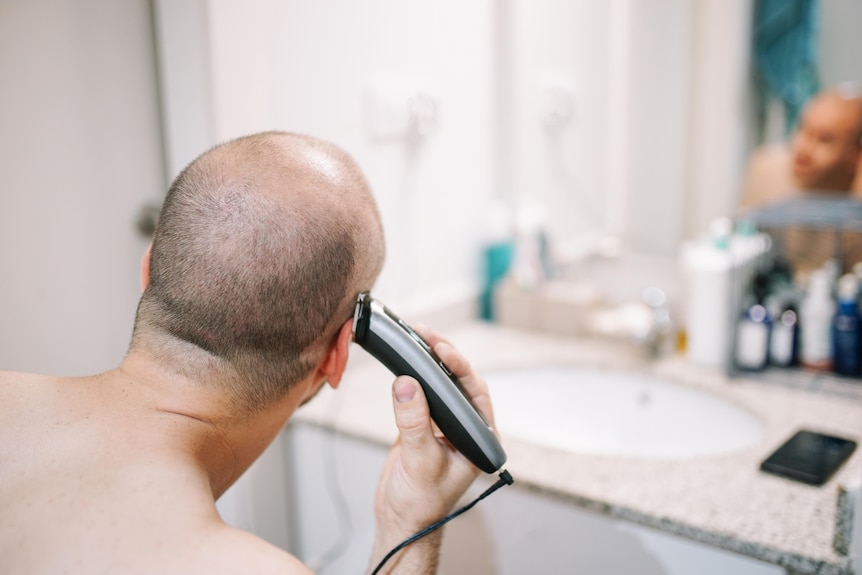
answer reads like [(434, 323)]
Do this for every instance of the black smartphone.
[(809, 457), (394, 343)]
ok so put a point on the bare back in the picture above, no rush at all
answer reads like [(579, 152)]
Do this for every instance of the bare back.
[(90, 485)]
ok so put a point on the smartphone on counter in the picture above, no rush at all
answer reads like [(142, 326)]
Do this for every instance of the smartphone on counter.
[(809, 457)]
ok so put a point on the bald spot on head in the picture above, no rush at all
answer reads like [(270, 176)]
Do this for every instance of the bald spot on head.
[(262, 246)]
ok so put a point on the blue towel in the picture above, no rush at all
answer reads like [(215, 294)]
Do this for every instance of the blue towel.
[(785, 53)]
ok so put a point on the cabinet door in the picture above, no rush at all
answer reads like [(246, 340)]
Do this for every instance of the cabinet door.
[(515, 531), (333, 479)]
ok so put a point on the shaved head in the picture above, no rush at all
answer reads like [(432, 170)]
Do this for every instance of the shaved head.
[(828, 144), (262, 246)]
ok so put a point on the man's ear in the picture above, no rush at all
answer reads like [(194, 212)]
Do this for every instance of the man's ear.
[(145, 267), (336, 358)]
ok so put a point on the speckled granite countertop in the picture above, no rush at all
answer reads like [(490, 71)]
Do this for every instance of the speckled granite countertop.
[(721, 500)]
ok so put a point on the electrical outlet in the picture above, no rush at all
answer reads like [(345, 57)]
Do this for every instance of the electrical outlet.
[(400, 109)]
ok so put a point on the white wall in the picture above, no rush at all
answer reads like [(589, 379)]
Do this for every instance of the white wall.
[(182, 37), (80, 152), (839, 41), (308, 67), (651, 150), (556, 93), (721, 119), (655, 148), (658, 101), (433, 196)]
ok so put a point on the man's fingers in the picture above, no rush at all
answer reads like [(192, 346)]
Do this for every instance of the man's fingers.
[(474, 385), (431, 337)]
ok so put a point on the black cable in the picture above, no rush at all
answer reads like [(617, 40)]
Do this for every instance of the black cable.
[(505, 479)]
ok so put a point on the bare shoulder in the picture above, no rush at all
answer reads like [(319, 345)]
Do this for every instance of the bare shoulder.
[(768, 176), (28, 398), (13, 378), (233, 551), (17, 390), (14, 383)]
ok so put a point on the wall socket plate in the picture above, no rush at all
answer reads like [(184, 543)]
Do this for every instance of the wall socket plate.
[(400, 109)]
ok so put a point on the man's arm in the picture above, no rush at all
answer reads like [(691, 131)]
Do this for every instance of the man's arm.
[(424, 476)]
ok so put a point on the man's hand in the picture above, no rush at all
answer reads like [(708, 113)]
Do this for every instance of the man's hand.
[(424, 475)]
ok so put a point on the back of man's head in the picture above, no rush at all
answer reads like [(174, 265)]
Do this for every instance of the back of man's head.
[(262, 245)]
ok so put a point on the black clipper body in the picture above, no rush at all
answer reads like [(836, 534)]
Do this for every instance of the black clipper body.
[(385, 336)]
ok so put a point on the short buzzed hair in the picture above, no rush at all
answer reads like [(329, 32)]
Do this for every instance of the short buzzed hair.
[(256, 261)]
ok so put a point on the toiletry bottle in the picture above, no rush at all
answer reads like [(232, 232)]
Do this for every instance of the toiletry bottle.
[(751, 249), (783, 305), (497, 255), (832, 269), (752, 338), (815, 323), (497, 258), (753, 329), (845, 328), (783, 340), (780, 277), (707, 270)]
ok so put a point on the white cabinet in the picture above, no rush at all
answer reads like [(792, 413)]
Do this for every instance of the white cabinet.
[(513, 532)]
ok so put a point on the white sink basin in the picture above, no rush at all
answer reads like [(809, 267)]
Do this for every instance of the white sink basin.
[(596, 411)]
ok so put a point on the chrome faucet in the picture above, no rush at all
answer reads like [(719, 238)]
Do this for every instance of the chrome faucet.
[(652, 335)]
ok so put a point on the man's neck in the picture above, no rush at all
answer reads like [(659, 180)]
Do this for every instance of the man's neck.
[(837, 180), (217, 436)]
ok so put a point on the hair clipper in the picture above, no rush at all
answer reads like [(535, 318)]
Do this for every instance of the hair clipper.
[(403, 351)]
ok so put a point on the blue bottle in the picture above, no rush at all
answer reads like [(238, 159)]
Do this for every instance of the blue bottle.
[(845, 329)]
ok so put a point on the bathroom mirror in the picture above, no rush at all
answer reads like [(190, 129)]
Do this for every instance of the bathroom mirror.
[(634, 119), (628, 121)]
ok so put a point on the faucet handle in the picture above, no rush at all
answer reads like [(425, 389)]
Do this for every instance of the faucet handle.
[(656, 299)]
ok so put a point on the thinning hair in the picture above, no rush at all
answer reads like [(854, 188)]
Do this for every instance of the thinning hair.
[(256, 262)]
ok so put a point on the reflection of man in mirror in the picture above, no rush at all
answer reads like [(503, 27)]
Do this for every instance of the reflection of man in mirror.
[(824, 155)]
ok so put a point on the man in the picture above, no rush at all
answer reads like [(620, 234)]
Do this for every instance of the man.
[(825, 153), (824, 157), (262, 247)]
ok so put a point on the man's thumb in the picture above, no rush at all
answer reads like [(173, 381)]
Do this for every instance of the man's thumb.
[(411, 411)]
